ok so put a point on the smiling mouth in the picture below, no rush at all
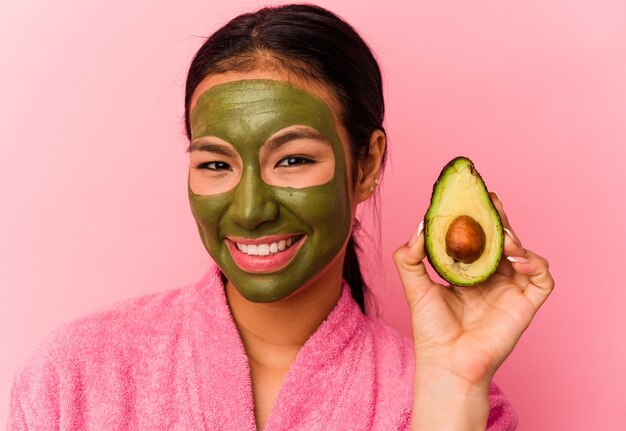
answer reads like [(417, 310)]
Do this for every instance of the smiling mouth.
[(266, 254), (254, 248)]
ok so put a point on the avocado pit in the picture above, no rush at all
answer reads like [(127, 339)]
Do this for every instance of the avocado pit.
[(465, 239)]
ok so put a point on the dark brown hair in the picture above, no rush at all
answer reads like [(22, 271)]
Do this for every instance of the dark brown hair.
[(313, 44)]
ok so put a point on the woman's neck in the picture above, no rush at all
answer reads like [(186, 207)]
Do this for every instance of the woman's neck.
[(273, 333)]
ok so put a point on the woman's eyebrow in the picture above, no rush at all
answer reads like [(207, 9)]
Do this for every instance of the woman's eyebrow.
[(301, 133), (210, 147)]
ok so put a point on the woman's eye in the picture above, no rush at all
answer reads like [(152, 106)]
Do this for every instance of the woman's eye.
[(294, 161), (215, 166)]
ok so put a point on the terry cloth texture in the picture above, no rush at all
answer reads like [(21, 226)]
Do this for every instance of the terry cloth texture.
[(174, 361)]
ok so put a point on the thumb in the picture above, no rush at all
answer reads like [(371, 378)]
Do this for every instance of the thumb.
[(409, 262)]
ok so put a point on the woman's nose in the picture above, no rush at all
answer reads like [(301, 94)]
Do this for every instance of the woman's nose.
[(253, 202)]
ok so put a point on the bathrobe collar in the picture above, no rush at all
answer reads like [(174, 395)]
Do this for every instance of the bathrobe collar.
[(317, 378)]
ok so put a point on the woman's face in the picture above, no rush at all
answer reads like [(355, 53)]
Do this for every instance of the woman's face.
[(269, 181)]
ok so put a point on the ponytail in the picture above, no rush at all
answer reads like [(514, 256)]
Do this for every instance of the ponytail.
[(352, 273)]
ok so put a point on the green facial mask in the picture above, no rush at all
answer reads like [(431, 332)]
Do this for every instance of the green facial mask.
[(245, 114)]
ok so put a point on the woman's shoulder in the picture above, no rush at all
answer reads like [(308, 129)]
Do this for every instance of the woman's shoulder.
[(102, 353), (124, 328), (130, 319), (101, 359), (393, 356), (389, 341)]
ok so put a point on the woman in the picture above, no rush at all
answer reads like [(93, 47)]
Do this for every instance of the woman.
[(284, 114)]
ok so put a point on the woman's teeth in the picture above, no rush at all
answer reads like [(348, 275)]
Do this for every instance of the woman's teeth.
[(267, 249)]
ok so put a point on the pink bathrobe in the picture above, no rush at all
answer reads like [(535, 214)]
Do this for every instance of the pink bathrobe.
[(174, 361)]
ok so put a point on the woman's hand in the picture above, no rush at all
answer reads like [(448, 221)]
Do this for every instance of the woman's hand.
[(463, 334)]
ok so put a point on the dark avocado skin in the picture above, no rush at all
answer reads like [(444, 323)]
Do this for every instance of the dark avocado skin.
[(443, 274)]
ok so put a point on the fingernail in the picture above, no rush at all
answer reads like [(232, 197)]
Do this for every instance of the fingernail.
[(517, 259), (497, 196), (513, 237), (416, 234)]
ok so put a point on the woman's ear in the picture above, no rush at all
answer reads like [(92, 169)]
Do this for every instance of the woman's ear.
[(369, 168)]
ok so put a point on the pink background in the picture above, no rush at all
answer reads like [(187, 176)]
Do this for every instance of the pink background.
[(93, 167)]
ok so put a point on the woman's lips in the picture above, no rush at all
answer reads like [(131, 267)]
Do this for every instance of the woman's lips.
[(266, 254)]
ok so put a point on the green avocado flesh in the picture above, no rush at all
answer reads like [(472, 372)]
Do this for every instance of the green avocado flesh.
[(460, 208)]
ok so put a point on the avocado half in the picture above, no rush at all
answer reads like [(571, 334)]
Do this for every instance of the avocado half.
[(462, 228)]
